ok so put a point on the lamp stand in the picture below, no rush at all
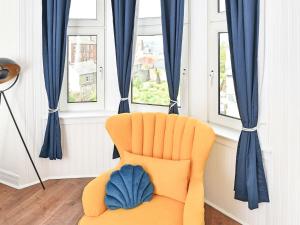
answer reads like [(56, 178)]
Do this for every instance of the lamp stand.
[(20, 134)]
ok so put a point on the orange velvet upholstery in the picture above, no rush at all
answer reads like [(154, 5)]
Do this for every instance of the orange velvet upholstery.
[(160, 210), (160, 136)]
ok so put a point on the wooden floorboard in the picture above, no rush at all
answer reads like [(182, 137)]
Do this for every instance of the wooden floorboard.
[(60, 204), (214, 217)]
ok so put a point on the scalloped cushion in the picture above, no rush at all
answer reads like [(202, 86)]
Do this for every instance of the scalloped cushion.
[(169, 177), (128, 187)]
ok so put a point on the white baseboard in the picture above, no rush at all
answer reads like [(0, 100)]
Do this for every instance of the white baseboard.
[(11, 179), (8, 178), (55, 178), (224, 212)]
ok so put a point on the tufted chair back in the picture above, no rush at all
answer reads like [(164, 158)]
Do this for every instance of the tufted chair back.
[(163, 136)]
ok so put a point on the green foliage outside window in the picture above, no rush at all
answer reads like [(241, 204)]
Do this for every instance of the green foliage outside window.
[(223, 48), (150, 92), (91, 96)]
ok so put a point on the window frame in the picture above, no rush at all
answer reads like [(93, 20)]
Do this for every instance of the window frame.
[(152, 26), (86, 28), (217, 24)]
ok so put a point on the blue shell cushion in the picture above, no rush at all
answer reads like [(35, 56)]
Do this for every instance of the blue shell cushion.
[(128, 187)]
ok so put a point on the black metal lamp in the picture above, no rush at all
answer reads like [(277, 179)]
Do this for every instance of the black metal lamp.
[(10, 70)]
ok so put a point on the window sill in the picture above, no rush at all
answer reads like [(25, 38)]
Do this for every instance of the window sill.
[(225, 135), (83, 117), (85, 114)]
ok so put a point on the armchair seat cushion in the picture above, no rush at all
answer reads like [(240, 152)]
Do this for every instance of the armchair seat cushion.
[(159, 211)]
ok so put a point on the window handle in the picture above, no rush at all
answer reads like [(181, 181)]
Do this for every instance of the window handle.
[(211, 76), (184, 71), (101, 72)]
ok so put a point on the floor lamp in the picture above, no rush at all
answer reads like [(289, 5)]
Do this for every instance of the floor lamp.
[(10, 70)]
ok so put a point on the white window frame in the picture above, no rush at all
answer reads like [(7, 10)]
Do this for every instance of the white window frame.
[(152, 26), (216, 24), (94, 28)]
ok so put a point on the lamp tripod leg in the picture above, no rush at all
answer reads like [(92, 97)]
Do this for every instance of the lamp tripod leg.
[(12, 116)]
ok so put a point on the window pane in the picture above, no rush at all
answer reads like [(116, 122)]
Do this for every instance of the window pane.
[(83, 9), (149, 84), (82, 68), (222, 6), (227, 99), (149, 8)]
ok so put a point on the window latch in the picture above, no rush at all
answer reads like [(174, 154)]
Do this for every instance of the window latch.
[(211, 76), (101, 72), (184, 71)]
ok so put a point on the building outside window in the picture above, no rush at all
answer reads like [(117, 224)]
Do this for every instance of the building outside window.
[(149, 85), (82, 69), (149, 81)]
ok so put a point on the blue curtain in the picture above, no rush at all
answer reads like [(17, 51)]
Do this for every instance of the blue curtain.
[(123, 20), (243, 30), (172, 16), (55, 15)]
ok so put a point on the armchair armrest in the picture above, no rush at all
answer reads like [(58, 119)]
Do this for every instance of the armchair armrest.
[(93, 195), (194, 204)]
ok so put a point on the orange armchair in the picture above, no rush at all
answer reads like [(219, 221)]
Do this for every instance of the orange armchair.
[(162, 136)]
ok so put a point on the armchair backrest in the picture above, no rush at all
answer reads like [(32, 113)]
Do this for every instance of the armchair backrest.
[(164, 136)]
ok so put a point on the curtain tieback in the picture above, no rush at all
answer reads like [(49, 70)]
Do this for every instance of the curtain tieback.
[(124, 99), (173, 103), (252, 129), (50, 111)]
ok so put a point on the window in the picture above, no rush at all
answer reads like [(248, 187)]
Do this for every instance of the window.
[(222, 6), (84, 72), (87, 13), (86, 9), (82, 68), (148, 9), (227, 100), (222, 103), (149, 81), (149, 87)]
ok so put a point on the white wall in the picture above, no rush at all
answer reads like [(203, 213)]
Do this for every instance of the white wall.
[(87, 148), (284, 68), (279, 127), (10, 48)]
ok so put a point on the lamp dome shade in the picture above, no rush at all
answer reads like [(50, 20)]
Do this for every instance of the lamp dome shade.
[(8, 70)]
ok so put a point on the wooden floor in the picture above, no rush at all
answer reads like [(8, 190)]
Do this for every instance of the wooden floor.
[(214, 217), (60, 204)]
